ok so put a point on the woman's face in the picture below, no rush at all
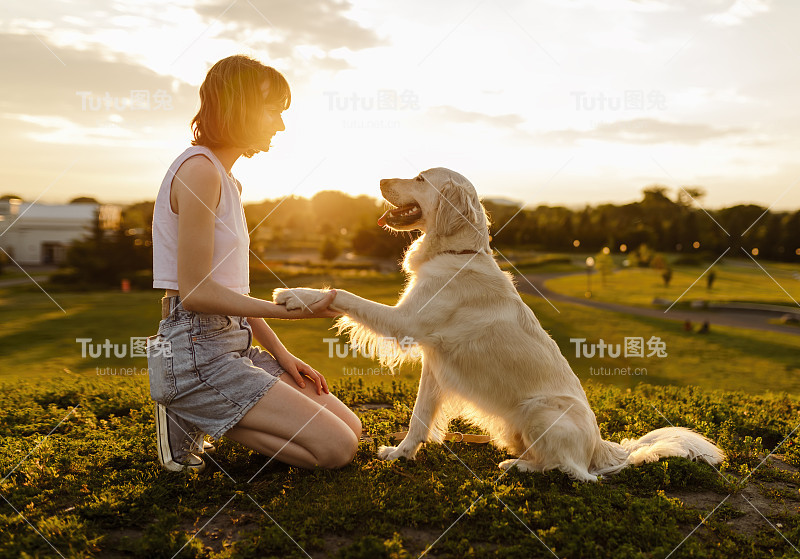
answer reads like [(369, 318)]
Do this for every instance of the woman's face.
[(270, 121)]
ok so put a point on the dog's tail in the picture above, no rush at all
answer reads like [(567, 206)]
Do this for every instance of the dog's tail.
[(610, 457)]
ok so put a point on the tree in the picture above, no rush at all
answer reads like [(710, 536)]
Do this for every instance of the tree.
[(642, 256), (690, 194), (375, 242), (104, 259), (84, 200), (604, 264), (658, 262), (330, 249)]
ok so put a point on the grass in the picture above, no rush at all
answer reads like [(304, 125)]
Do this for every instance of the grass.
[(739, 281), (38, 339), (93, 488)]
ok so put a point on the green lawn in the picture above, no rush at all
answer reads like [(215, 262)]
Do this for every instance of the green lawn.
[(743, 281), (38, 339), (94, 488)]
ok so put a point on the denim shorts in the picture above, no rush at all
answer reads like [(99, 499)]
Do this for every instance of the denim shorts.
[(204, 368)]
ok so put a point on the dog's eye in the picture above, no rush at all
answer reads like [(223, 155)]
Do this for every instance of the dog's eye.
[(419, 178)]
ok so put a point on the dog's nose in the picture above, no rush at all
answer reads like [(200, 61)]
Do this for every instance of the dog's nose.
[(385, 182)]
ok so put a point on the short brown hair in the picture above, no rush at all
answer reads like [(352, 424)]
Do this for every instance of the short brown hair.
[(230, 96)]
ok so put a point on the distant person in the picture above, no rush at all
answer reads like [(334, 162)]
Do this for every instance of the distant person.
[(704, 329), (666, 275), (205, 374), (710, 279), (687, 326)]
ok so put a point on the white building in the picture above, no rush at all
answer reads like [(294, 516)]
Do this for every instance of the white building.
[(35, 233)]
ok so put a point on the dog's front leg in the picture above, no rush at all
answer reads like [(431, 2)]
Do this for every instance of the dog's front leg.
[(391, 321), (423, 419)]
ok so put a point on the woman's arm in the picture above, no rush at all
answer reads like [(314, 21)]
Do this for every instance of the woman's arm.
[(264, 335), (197, 190)]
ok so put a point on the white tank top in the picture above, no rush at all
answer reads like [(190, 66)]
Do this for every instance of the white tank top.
[(230, 265)]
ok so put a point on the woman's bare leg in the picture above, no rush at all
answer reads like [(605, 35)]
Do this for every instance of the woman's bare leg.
[(296, 429), (331, 402)]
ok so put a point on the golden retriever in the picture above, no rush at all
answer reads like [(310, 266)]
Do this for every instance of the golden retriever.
[(485, 357)]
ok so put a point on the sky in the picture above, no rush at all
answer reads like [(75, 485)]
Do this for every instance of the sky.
[(542, 102)]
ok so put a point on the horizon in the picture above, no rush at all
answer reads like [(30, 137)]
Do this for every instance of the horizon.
[(503, 199), (557, 104)]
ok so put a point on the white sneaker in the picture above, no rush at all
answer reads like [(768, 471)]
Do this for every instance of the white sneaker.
[(177, 441)]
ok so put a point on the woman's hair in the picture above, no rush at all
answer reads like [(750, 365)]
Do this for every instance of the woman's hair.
[(231, 99)]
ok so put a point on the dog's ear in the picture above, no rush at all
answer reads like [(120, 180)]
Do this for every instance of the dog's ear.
[(457, 209)]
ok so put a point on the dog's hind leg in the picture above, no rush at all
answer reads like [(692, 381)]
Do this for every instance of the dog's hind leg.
[(425, 420), (561, 434)]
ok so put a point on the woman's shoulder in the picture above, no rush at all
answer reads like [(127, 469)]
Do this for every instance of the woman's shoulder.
[(199, 166), (200, 176)]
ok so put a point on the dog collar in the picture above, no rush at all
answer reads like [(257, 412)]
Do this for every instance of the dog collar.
[(460, 251)]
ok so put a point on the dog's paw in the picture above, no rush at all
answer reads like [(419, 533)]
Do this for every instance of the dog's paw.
[(296, 298), (520, 465), (392, 453)]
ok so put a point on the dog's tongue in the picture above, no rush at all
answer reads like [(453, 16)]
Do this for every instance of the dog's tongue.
[(382, 219)]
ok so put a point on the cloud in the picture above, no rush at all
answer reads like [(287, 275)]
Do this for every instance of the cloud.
[(643, 131), (84, 86), (740, 11), (112, 151), (284, 25), (453, 114)]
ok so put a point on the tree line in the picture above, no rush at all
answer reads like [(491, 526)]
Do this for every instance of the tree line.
[(332, 222)]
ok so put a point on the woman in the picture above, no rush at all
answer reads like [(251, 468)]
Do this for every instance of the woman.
[(205, 375)]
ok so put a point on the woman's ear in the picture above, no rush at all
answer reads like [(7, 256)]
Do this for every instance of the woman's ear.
[(457, 209)]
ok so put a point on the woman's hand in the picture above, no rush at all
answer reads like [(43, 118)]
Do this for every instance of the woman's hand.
[(317, 310), (298, 369)]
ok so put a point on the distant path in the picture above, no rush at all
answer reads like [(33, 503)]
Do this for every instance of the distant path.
[(21, 281), (530, 283)]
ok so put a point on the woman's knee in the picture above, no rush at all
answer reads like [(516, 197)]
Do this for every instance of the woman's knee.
[(338, 450), (354, 423)]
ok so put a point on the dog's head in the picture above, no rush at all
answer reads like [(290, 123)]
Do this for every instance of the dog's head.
[(437, 201)]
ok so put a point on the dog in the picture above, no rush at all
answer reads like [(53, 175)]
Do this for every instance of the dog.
[(485, 357)]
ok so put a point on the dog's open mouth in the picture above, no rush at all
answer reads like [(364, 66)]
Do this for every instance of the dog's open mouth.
[(401, 216)]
